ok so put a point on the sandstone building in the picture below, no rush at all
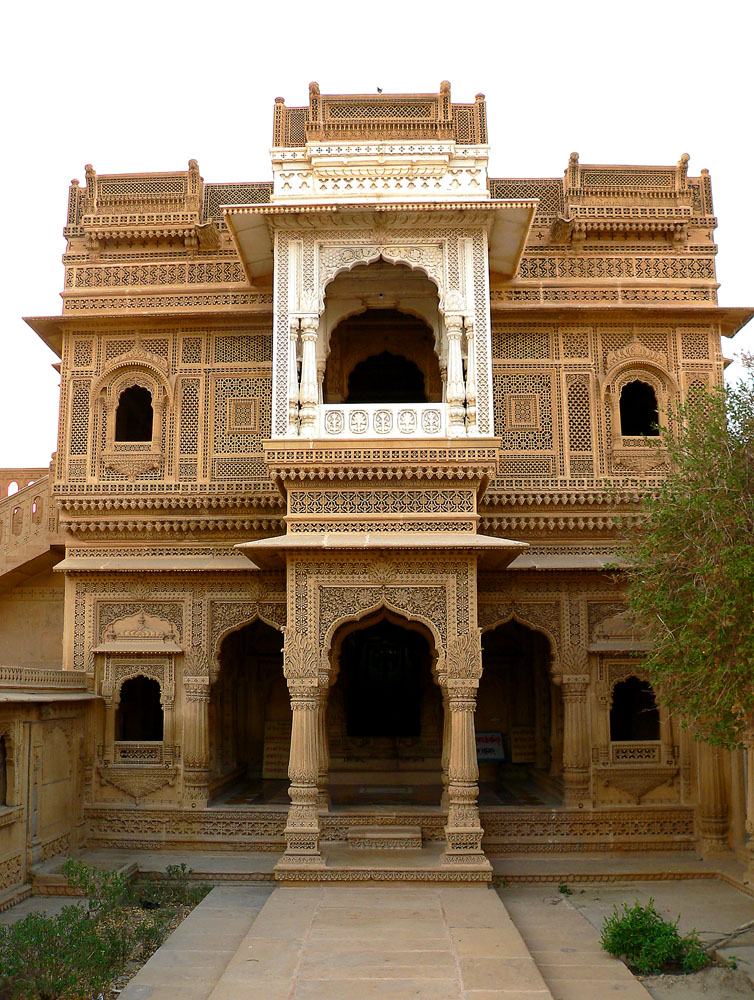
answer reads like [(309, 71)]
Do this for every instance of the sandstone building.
[(339, 465)]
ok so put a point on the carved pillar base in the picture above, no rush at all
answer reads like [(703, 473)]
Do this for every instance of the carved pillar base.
[(196, 788)]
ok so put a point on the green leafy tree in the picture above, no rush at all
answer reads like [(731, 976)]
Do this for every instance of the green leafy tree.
[(691, 565)]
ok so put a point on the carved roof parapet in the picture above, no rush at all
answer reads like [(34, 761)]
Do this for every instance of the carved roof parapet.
[(631, 200), (349, 117), (123, 209)]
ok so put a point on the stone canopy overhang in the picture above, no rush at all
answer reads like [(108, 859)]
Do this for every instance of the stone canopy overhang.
[(270, 553), (507, 223)]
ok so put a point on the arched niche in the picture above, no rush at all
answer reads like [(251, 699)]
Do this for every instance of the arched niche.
[(385, 721), (519, 699), (380, 285), (382, 355), (249, 707)]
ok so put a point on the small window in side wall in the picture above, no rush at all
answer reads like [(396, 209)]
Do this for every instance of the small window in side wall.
[(139, 717), (134, 416), (633, 713), (639, 414)]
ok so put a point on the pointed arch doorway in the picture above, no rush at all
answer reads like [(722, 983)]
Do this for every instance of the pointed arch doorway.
[(384, 716), (250, 719), (518, 702)]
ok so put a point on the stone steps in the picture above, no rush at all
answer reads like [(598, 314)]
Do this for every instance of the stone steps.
[(394, 838)]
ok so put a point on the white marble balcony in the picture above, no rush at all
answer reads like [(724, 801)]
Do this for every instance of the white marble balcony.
[(386, 420)]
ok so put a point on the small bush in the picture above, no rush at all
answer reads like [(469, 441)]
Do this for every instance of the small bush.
[(650, 943), (71, 954)]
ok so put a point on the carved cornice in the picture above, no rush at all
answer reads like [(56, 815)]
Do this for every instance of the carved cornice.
[(141, 503), (134, 527)]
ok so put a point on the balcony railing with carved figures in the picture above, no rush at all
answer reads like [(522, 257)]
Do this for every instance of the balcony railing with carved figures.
[(388, 420)]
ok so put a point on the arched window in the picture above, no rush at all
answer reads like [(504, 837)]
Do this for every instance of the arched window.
[(639, 414), (134, 417), (17, 521), (139, 715), (36, 510), (3, 773), (633, 713), (386, 378), (12, 488)]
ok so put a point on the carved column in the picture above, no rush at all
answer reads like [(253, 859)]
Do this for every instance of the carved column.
[(575, 740), (713, 807), (293, 392), (323, 771), (471, 422), (445, 758), (456, 391), (463, 832), (302, 828), (309, 389), (196, 741)]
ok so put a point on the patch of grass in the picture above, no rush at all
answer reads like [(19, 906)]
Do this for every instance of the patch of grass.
[(649, 943), (565, 889)]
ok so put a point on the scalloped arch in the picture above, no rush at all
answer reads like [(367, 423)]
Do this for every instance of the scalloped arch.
[(382, 254), (522, 620)]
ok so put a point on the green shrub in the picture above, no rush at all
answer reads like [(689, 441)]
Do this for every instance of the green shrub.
[(650, 943), (103, 889), (68, 955)]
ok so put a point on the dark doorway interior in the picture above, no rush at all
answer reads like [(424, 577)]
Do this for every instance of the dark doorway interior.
[(385, 719), (518, 702), (386, 378)]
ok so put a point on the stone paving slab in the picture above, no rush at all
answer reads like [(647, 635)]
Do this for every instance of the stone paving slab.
[(190, 962), (362, 942), (566, 947)]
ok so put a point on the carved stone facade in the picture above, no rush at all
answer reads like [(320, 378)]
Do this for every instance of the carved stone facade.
[(373, 422)]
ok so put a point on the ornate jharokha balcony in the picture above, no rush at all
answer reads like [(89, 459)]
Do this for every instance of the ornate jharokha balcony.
[(389, 420)]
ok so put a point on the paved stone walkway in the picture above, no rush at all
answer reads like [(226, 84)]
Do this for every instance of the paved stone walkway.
[(345, 943)]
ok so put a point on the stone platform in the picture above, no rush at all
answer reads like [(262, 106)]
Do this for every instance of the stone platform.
[(344, 863)]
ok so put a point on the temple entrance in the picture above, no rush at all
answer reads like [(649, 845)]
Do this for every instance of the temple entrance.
[(520, 712), (385, 717), (250, 719)]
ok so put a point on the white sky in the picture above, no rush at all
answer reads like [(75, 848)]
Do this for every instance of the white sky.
[(145, 86)]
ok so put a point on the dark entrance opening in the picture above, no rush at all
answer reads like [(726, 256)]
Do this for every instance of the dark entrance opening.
[(250, 719), (386, 378), (381, 670), (518, 704), (384, 718)]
